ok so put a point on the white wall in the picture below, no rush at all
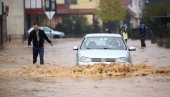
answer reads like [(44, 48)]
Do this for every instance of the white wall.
[(136, 6), (15, 18)]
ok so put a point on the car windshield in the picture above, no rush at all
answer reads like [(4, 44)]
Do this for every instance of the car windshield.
[(114, 43)]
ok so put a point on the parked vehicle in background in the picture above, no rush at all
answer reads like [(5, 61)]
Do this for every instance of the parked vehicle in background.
[(103, 48), (50, 32)]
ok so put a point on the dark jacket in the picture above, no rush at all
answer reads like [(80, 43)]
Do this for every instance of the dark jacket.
[(33, 37), (142, 31)]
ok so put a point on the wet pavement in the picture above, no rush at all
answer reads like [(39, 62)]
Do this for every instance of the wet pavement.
[(18, 55)]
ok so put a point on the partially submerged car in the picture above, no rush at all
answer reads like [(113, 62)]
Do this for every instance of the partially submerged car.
[(103, 48)]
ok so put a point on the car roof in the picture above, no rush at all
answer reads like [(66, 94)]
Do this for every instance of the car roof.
[(44, 26), (102, 34), (29, 30)]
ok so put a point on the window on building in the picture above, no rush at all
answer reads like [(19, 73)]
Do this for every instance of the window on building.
[(33, 3), (27, 4), (53, 5), (39, 4), (67, 2), (73, 1), (131, 3)]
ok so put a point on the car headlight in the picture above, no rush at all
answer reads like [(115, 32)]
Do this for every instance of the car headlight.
[(85, 59), (121, 60)]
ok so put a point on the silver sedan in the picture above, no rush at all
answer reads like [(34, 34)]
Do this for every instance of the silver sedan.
[(50, 32), (103, 48)]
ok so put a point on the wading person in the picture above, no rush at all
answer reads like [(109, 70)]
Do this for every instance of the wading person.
[(124, 34), (142, 34), (37, 36)]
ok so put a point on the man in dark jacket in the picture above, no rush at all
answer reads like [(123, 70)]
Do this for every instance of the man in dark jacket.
[(142, 34), (37, 36)]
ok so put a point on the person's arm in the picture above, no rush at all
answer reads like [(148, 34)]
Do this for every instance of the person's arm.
[(30, 38), (45, 37)]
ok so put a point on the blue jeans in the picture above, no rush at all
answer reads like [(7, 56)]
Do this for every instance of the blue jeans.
[(40, 51)]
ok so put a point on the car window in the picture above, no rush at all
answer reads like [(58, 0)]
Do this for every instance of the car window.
[(46, 29), (30, 29), (115, 43)]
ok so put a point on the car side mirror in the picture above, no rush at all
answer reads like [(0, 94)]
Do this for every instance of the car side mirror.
[(75, 48), (132, 48)]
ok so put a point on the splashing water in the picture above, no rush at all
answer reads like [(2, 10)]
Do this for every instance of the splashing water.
[(89, 71)]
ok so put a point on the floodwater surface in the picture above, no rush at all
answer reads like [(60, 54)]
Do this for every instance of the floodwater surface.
[(149, 76)]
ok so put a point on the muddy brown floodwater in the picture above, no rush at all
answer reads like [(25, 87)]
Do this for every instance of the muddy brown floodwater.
[(148, 77)]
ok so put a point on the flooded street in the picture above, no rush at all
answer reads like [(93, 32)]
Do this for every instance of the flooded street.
[(107, 25), (62, 53), (17, 56)]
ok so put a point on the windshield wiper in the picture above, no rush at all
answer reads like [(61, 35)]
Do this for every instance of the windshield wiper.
[(107, 48), (90, 48), (99, 48)]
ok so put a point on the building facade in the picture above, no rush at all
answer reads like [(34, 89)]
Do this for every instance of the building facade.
[(23, 13), (15, 19), (135, 7)]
